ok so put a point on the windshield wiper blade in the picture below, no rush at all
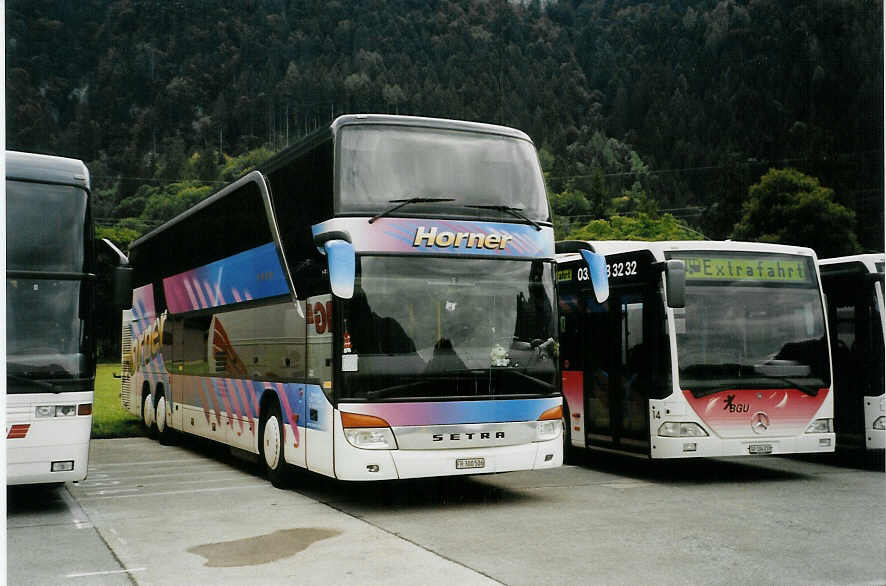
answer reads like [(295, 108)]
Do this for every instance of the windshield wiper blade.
[(809, 390), (405, 202), (516, 212), (32, 381)]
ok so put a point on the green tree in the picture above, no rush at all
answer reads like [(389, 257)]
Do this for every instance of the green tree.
[(790, 207), (641, 226)]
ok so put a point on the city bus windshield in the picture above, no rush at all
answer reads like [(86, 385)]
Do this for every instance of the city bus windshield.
[(751, 324), (448, 328), (46, 313), (468, 174)]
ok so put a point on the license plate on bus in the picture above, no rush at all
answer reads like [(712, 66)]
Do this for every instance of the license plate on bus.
[(760, 448), (466, 463)]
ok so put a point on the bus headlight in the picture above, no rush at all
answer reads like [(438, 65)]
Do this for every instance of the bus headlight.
[(549, 424), (880, 422), (65, 410), (44, 411), (548, 430), (681, 429), (821, 426), (368, 432), (369, 438)]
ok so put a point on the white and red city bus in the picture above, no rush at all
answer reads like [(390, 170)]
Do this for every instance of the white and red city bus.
[(702, 349), (853, 287)]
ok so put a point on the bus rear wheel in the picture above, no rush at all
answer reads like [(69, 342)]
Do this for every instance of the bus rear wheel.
[(164, 432), (272, 446)]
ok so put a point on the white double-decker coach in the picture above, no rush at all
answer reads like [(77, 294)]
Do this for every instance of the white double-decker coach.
[(375, 302)]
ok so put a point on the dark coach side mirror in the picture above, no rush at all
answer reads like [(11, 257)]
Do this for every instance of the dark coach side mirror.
[(121, 279), (675, 283)]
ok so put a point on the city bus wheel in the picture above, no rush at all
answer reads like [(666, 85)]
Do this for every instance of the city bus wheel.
[(271, 446), (164, 432), (148, 414), (567, 438)]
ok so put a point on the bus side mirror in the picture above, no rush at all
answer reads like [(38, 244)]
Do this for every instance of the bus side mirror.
[(121, 292), (342, 262), (675, 283), (121, 278), (597, 271)]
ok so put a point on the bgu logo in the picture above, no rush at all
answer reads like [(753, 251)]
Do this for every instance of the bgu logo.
[(735, 407), (320, 315)]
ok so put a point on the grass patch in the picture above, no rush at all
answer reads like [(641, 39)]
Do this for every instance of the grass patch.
[(109, 418)]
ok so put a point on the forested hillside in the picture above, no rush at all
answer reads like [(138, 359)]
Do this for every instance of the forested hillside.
[(638, 108)]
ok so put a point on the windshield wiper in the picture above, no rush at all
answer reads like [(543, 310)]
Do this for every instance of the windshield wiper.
[(405, 202), (516, 212), (32, 381), (809, 390)]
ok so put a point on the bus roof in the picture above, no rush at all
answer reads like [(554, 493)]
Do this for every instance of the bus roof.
[(867, 259), (46, 168), (327, 132), (310, 141), (658, 248)]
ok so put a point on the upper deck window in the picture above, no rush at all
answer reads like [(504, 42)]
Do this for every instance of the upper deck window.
[(378, 164)]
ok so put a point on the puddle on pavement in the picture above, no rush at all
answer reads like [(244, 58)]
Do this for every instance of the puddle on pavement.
[(262, 549)]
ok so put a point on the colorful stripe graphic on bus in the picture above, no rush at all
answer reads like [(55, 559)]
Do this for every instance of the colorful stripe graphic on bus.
[(18, 431), (769, 412), (253, 274), (443, 237), (455, 412)]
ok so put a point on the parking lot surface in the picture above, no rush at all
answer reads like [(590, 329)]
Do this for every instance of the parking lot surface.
[(195, 514)]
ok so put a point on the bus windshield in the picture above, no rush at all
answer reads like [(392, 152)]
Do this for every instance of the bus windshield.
[(471, 174), (46, 313), (751, 331), (448, 328)]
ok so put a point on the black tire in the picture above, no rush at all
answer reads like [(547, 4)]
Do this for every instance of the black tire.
[(568, 450), (272, 447)]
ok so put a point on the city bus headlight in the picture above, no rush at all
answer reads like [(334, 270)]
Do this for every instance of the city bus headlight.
[(880, 422), (369, 438), (821, 426), (548, 430), (681, 429)]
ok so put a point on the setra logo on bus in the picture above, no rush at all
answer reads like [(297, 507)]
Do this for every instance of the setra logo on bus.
[(476, 240), (439, 437)]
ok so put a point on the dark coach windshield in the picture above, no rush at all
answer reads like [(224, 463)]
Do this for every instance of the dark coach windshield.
[(421, 328), (47, 287), (470, 174)]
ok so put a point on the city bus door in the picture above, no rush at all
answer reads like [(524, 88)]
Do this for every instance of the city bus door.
[(617, 373)]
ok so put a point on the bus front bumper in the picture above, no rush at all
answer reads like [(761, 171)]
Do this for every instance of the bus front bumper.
[(33, 465), (357, 464), (711, 447)]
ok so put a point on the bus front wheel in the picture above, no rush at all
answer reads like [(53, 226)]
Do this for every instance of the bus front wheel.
[(568, 450), (272, 446)]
